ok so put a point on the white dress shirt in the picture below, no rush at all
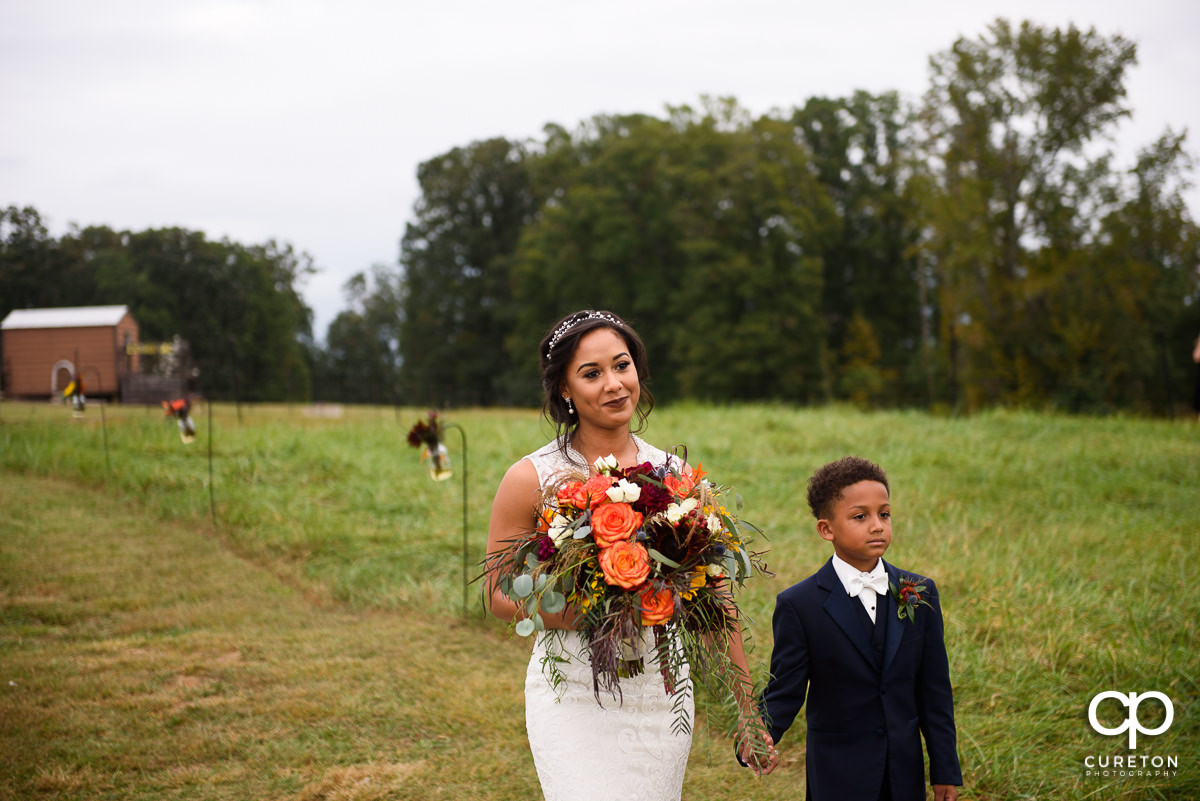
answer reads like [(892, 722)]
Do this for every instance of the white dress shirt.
[(850, 576)]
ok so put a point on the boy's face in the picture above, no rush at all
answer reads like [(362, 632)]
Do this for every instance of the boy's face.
[(860, 524)]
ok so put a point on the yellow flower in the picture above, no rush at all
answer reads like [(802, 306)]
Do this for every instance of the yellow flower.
[(591, 596), (699, 577)]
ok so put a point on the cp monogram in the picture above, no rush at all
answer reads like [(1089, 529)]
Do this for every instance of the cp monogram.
[(1131, 722)]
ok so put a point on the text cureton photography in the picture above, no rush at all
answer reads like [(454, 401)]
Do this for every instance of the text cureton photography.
[(1130, 765), (1134, 765)]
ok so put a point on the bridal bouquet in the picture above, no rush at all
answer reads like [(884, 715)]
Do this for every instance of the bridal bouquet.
[(648, 548)]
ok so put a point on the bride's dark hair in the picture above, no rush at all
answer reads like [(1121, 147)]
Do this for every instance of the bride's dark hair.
[(555, 353)]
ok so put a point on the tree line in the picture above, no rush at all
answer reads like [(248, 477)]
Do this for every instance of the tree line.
[(979, 245)]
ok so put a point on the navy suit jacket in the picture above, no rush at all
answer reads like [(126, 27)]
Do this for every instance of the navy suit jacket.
[(863, 716)]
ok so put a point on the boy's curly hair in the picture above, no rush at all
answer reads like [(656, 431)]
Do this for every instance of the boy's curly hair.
[(825, 486)]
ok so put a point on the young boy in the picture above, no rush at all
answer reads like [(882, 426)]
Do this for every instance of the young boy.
[(873, 666)]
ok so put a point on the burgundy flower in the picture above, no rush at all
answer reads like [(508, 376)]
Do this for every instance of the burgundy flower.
[(546, 548), (643, 469), (683, 542), (652, 500), (425, 433), (417, 434)]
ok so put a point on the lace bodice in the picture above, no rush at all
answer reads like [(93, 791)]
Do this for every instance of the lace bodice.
[(554, 463)]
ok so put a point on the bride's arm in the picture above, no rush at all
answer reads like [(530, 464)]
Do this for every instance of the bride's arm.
[(514, 514), (751, 726)]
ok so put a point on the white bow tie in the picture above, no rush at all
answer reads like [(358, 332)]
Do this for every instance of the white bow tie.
[(865, 581)]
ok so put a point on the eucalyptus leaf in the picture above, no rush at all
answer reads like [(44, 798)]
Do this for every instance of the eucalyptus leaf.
[(522, 585), (525, 627), (541, 581), (658, 557), (538, 623), (531, 561), (553, 602), (747, 568), (582, 532)]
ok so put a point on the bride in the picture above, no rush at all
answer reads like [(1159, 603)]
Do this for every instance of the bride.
[(594, 369)]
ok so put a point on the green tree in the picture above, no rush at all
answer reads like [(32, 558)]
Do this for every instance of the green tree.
[(1014, 124), (27, 262), (603, 238), (862, 378), (1135, 302), (454, 257), (862, 151), (364, 341), (704, 229)]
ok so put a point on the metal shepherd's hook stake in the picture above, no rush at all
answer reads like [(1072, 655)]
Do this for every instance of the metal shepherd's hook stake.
[(212, 500), (428, 435), (462, 433)]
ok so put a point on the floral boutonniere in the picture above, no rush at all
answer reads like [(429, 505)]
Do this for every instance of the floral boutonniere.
[(908, 597)]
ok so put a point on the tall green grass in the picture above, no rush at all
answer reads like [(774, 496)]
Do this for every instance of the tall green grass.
[(1064, 548)]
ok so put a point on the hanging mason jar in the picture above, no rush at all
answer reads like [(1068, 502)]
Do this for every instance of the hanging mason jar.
[(439, 462)]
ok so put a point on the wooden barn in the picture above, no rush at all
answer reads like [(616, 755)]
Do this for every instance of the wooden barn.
[(45, 349)]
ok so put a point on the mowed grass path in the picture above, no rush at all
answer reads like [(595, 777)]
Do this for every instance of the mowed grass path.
[(144, 660), (310, 646)]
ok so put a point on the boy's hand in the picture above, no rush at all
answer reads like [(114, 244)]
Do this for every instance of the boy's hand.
[(945, 792)]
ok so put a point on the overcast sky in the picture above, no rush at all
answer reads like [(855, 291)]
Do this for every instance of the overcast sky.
[(304, 121)]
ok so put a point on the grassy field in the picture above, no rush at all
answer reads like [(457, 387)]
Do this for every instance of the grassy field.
[(311, 645)]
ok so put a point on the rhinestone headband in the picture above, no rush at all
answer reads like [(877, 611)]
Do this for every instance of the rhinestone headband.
[(571, 323)]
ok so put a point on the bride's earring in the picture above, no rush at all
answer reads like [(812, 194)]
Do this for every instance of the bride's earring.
[(570, 406)]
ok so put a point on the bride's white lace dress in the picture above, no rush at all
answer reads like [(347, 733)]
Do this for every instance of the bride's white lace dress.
[(623, 748)]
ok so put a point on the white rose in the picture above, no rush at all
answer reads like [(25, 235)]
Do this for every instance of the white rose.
[(605, 463), (624, 492), (676, 511), (559, 529)]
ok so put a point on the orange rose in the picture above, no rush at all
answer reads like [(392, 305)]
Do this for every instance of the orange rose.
[(614, 522), (679, 487), (658, 606), (596, 489), (571, 494), (625, 564), (682, 487)]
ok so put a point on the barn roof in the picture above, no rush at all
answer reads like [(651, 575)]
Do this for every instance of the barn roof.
[(70, 317)]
